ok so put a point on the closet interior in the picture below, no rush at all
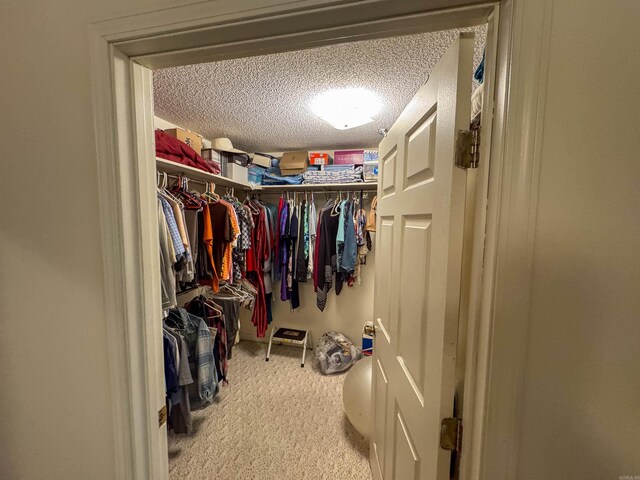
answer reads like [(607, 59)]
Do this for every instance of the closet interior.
[(267, 211)]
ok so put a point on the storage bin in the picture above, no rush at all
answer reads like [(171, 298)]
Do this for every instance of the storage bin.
[(241, 159), (256, 173), (348, 157), (317, 158), (371, 155), (212, 157), (370, 171), (237, 173)]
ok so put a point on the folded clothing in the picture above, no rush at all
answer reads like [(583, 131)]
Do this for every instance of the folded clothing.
[(256, 173), (172, 149), (273, 176), (350, 175)]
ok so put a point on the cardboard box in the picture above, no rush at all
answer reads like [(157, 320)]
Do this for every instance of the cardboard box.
[(212, 157), (261, 160), (316, 158), (294, 163), (185, 136), (348, 157)]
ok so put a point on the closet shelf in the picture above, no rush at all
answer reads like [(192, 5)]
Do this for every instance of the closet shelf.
[(174, 168), (333, 187), (196, 174)]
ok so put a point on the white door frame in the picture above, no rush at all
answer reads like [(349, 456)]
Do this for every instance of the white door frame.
[(206, 31)]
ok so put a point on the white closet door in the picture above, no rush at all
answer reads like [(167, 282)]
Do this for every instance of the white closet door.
[(421, 197)]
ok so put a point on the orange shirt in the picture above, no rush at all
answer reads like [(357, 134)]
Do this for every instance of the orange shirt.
[(207, 238), (227, 260)]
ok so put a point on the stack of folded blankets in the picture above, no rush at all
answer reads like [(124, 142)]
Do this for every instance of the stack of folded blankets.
[(334, 174), (273, 176)]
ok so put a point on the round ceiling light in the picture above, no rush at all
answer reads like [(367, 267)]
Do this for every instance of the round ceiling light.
[(346, 107)]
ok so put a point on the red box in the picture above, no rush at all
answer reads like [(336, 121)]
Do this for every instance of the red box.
[(316, 158), (348, 157)]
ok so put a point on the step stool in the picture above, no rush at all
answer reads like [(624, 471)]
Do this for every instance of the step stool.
[(289, 336)]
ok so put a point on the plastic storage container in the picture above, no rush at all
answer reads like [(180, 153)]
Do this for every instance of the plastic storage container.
[(370, 171), (256, 173), (371, 155)]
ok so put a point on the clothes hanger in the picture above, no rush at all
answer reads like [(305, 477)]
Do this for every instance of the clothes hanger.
[(249, 203), (335, 210), (217, 309), (211, 193), (181, 191), (235, 292), (205, 297)]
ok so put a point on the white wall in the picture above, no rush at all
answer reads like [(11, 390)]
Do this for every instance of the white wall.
[(581, 410), (55, 407), (163, 124)]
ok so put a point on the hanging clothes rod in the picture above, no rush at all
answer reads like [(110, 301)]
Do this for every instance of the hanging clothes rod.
[(178, 177)]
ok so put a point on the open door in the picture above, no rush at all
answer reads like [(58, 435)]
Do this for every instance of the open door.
[(421, 199)]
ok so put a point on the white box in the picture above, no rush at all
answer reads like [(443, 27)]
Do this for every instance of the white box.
[(237, 173)]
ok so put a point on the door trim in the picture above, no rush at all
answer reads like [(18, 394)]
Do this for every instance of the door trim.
[(131, 303), (502, 323)]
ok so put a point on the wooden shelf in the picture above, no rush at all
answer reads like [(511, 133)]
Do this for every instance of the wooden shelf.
[(196, 174), (315, 187)]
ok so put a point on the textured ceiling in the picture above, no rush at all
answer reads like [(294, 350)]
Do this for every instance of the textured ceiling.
[(262, 103)]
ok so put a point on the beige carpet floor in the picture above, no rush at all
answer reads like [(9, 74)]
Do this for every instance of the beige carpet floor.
[(274, 421)]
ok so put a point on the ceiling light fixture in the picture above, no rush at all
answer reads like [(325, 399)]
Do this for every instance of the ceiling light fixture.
[(346, 108)]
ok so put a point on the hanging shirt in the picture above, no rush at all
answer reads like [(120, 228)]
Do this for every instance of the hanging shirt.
[(340, 274), (312, 218), (196, 333), (326, 264), (349, 255), (222, 233), (191, 222), (255, 261), (283, 250), (167, 278), (303, 246), (170, 372), (208, 272), (292, 283), (268, 263), (227, 258), (176, 239)]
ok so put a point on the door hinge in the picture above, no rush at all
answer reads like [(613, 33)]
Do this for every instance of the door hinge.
[(468, 149), (451, 434), (162, 416)]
